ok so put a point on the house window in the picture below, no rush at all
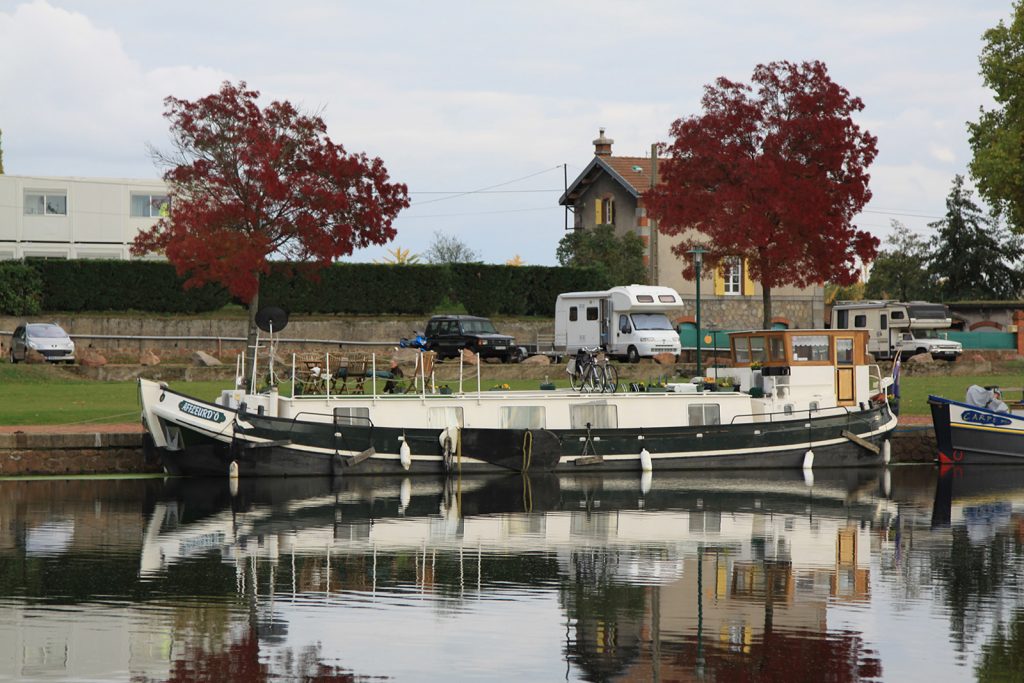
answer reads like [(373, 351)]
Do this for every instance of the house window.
[(606, 211), (150, 205), (732, 272), (46, 204)]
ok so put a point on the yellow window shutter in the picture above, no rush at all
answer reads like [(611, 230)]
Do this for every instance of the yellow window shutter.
[(748, 283), (597, 212), (719, 282)]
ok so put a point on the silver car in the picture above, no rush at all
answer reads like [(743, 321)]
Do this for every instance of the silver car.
[(49, 339)]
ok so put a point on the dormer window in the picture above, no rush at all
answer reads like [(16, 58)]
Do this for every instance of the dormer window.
[(605, 214)]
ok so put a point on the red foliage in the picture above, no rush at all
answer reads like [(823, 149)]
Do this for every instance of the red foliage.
[(248, 182), (774, 172)]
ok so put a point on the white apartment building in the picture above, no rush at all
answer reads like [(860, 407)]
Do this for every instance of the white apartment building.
[(75, 218)]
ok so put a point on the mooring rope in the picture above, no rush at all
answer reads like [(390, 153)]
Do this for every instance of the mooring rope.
[(527, 450)]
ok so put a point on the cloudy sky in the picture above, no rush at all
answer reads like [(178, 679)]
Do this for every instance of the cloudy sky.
[(462, 96)]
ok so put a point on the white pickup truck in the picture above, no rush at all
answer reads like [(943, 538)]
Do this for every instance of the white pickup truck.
[(928, 341)]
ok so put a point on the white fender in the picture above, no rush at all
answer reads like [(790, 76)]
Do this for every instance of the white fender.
[(233, 470), (645, 482), (645, 461), (405, 454), (886, 451), (808, 459)]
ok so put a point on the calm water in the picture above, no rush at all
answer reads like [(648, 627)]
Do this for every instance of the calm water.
[(910, 574)]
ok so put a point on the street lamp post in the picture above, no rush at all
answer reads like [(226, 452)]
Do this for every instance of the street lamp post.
[(698, 258)]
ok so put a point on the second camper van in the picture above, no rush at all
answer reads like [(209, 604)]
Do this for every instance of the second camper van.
[(892, 325), (629, 321)]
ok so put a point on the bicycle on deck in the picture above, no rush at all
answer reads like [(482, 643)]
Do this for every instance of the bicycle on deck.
[(590, 372)]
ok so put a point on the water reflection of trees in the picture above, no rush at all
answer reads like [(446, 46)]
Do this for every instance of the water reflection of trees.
[(1002, 657), (972, 576)]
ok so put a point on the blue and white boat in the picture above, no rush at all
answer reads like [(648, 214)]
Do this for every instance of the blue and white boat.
[(979, 430)]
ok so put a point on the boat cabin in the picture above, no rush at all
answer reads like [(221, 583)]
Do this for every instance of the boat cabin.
[(800, 364)]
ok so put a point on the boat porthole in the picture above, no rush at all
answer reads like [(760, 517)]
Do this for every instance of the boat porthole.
[(162, 396)]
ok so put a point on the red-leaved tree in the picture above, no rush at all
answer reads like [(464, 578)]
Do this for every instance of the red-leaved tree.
[(248, 182), (772, 172)]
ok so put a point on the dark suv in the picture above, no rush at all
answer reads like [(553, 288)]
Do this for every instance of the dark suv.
[(449, 334)]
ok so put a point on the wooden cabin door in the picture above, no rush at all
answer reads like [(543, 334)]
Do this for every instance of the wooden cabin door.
[(845, 394)]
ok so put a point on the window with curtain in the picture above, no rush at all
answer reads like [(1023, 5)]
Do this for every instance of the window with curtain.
[(522, 417), (598, 415), (150, 205), (46, 204)]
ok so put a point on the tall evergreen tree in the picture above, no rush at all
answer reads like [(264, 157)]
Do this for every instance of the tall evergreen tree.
[(973, 256), (901, 270)]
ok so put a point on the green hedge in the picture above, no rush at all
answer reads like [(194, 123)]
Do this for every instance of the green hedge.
[(21, 289), (96, 285), (351, 288)]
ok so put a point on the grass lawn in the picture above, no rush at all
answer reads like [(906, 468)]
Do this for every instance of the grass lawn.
[(36, 394)]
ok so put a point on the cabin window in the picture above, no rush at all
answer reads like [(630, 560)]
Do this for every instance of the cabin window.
[(860, 321), (591, 312), (777, 348), (842, 320), (897, 315), (444, 417), (598, 415), (667, 299), (574, 314), (350, 415), (742, 346), (705, 414), (883, 322), (811, 347), (522, 417), (757, 354), (844, 351), (644, 299)]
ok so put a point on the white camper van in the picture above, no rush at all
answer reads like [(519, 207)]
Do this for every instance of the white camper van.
[(909, 326), (629, 321)]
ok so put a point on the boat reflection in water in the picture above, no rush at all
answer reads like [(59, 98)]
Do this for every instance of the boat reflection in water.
[(728, 576), (699, 570)]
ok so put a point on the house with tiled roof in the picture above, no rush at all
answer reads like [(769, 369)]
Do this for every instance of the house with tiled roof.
[(609, 191)]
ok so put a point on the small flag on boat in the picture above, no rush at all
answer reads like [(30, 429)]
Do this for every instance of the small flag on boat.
[(896, 374)]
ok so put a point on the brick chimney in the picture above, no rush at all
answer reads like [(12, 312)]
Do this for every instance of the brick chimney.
[(603, 145)]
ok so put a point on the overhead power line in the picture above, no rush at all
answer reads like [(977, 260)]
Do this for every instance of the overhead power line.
[(483, 189)]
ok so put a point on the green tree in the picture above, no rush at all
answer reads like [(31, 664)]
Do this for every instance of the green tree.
[(901, 271), (973, 256), (621, 258), (997, 138)]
